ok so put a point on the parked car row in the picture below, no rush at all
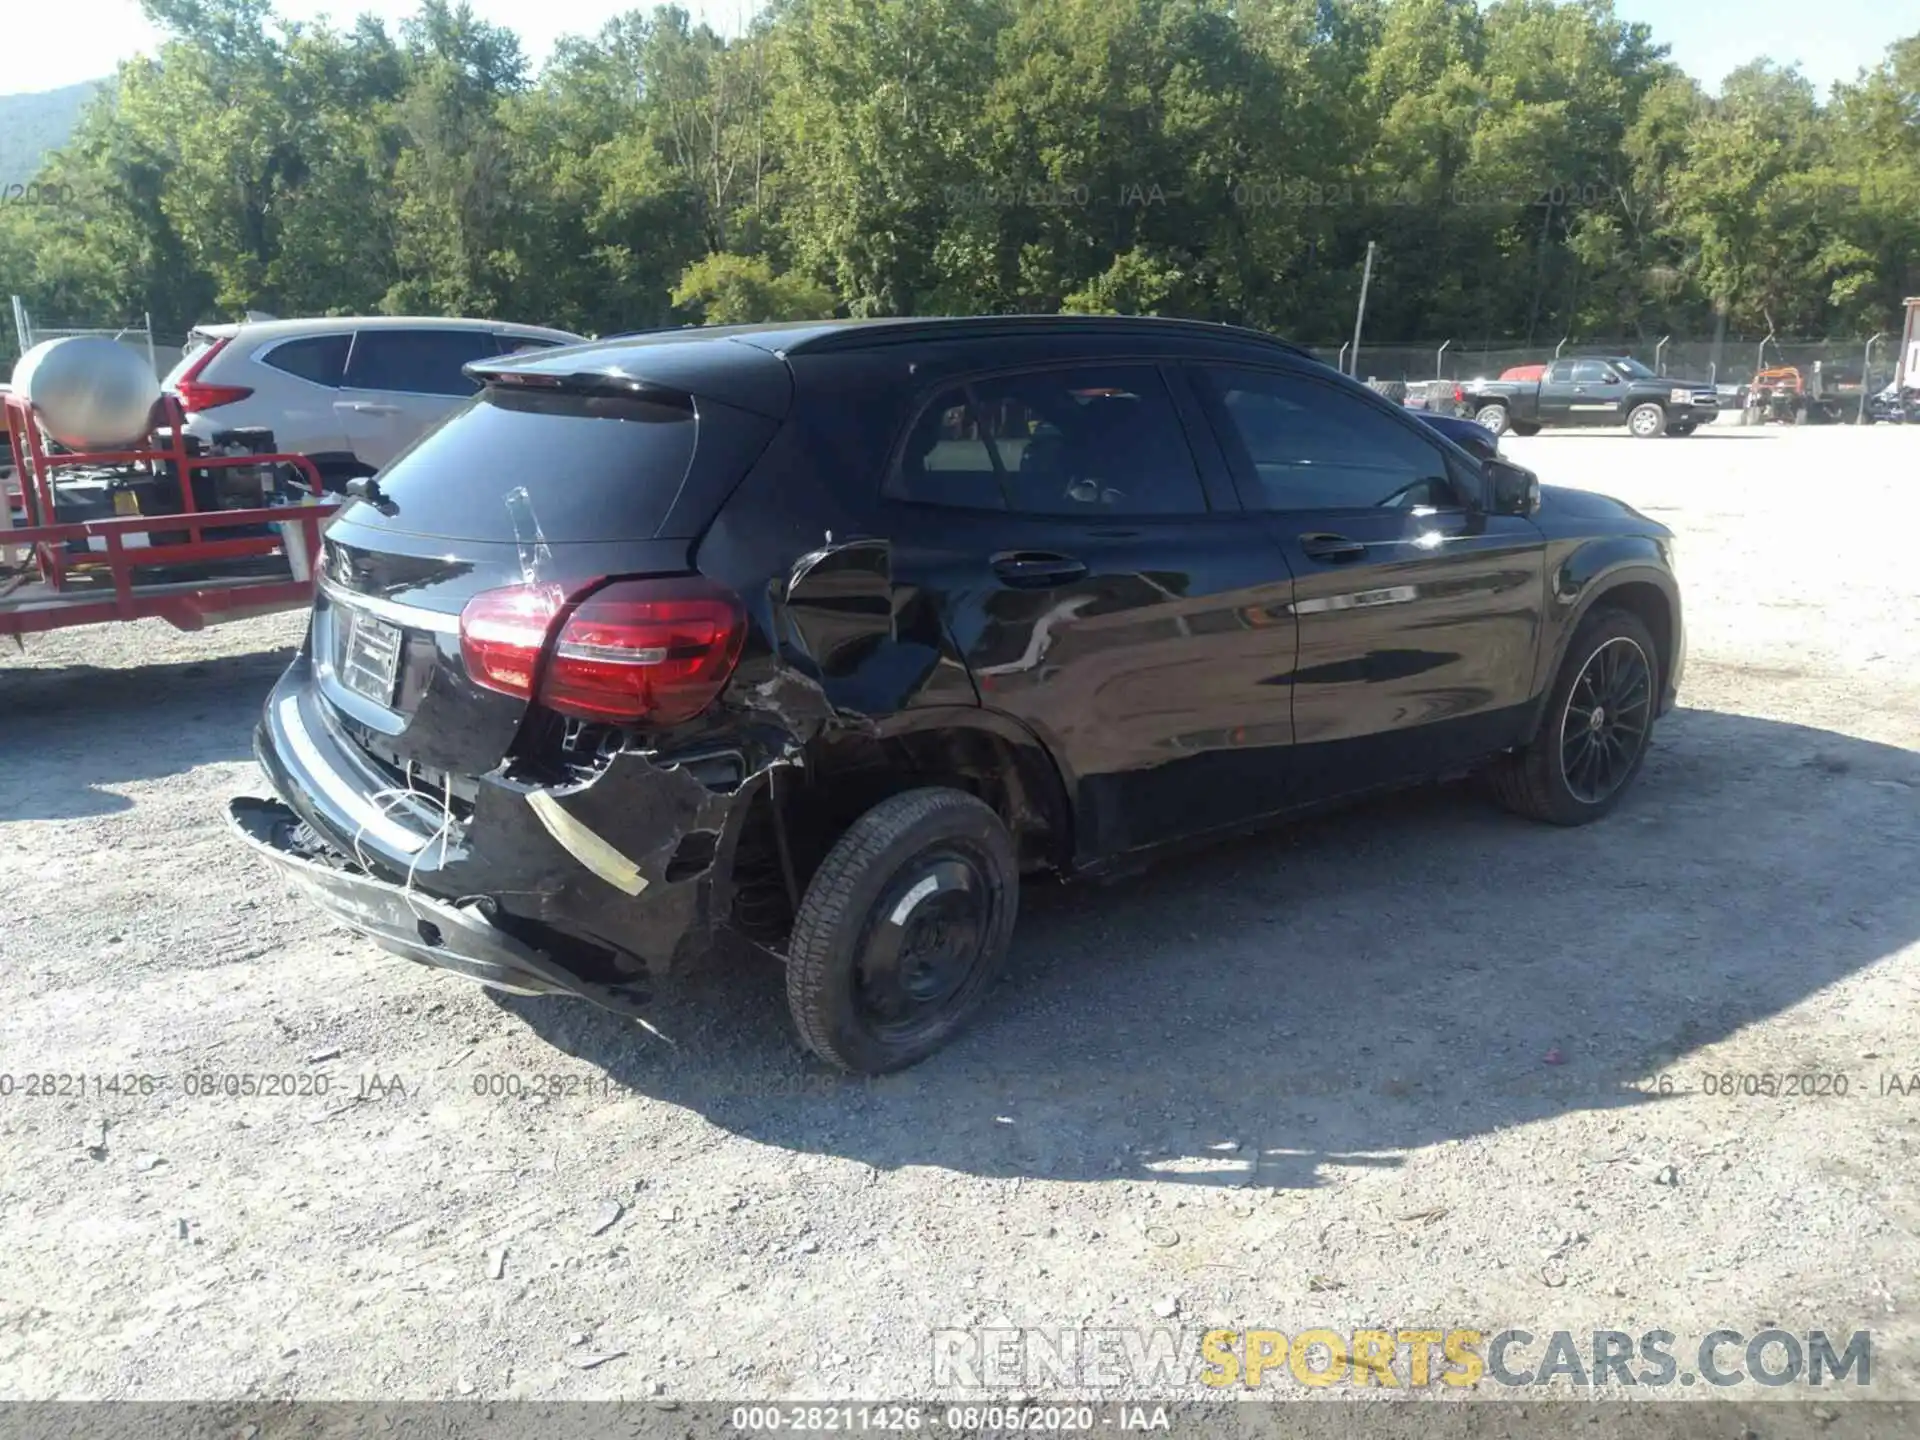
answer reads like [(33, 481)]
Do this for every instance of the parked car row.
[(1616, 390)]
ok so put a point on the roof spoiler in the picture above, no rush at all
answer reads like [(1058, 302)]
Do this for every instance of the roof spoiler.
[(504, 373)]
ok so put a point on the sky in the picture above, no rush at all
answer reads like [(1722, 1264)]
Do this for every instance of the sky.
[(60, 44)]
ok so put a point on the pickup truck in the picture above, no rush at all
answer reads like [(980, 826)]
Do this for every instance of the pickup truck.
[(1592, 390)]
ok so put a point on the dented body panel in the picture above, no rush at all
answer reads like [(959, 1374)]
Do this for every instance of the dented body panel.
[(500, 849)]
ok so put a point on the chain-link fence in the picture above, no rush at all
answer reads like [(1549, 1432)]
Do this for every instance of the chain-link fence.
[(1732, 361), (28, 330), (1843, 363)]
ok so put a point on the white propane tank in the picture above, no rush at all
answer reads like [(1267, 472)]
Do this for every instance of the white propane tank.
[(89, 392)]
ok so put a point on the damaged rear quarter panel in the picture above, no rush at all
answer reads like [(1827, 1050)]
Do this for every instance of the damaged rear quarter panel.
[(842, 641), (644, 812)]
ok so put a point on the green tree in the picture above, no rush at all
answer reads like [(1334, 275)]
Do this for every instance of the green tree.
[(1526, 167), (728, 289), (877, 105)]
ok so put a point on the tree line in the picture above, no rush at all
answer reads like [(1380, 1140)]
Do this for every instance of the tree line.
[(1528, 169)]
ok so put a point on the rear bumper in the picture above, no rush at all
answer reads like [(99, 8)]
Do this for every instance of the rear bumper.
[(458, 938), (589, 889)]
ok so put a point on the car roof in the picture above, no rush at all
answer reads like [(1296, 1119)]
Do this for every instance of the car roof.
[(796, 337), (809, 337), (841, 335), (330, 324), (745, 364)]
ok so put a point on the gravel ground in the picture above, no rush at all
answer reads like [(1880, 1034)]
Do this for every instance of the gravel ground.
[(1374, 1070)]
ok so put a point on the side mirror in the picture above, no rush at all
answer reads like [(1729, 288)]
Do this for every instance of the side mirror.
[(1516, 489)]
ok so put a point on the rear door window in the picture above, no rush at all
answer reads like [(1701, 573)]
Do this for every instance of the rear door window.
[(1093, 441), (948, 460), (417, 362), (321, 359)]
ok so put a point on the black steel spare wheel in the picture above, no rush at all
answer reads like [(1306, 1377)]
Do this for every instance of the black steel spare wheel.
[(922, 942), (1603, 728), (902, 930)]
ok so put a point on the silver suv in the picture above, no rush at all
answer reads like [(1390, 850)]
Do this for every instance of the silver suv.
[(351, 393)]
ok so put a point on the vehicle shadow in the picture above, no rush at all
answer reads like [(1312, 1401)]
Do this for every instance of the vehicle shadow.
[(1336, 993), (71, 732)]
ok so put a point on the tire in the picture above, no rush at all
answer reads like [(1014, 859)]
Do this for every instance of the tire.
[(1648, 421), (1494, 417), (1534, 782), (1526, 428), (929, 869)]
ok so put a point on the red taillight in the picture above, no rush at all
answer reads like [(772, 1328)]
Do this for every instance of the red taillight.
[(502, 633), (653, 650), (1459, 395), (196, 394), (657, 651)]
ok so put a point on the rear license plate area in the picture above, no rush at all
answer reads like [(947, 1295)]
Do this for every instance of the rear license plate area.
[(369, 657)]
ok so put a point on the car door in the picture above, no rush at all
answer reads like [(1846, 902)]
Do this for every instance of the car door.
[(1557, 394), (401, 382), (310, 370), (1100, 594), (1419, 614), (1597, 393)]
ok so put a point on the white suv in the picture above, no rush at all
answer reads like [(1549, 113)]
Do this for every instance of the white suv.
[(350, 393)]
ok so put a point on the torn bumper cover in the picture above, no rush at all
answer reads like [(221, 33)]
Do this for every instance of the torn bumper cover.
[(590, 889), (459, 938)]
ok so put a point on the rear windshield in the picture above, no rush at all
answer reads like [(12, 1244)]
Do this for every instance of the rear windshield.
[(593, 468)]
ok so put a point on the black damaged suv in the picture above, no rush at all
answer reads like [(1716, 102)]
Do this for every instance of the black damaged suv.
[(825, 635)]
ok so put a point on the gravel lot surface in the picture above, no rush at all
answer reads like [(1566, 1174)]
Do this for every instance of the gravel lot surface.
[(1376, 1070)]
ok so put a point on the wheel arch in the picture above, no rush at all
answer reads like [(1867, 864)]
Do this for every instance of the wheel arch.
[(1039, 805), (796, 816), (1627, 572)]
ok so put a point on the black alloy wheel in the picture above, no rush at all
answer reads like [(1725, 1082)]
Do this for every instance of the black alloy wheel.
[(1594, 728), (1606, 721)]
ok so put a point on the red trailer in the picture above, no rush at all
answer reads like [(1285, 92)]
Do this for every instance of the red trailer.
[(163, 552)]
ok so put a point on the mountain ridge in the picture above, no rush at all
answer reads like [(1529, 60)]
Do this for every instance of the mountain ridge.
[(34, 125)]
